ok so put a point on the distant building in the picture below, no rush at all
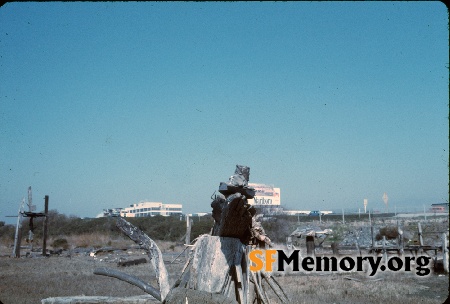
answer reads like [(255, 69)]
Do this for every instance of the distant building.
[(144, 209)]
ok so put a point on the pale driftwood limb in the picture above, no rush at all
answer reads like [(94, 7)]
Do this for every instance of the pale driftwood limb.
[(179, 255), (129, 279), (154, 253), (260, 282), (226, 287), (144, 299), (187, 246), (238, 283), (258, 288), (183, 279), (275, 287)]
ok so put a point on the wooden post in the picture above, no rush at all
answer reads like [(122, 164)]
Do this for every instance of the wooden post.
[(371, 232), (357, 245), (18, 235), (335, 248), (384, 250), (44, 242), (289, 244), (420, 237), (343, 219), (310, 246), (444, 252), (188, 234)]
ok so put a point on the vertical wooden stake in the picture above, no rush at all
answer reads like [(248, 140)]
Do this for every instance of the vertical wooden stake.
[(335, 248), (371, 232), (188, 234), (420, 237), (444, 252), (18, 235), (44, 244), (310, 246)]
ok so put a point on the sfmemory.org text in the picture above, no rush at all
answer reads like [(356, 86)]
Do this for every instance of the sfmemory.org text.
[(266, 259)]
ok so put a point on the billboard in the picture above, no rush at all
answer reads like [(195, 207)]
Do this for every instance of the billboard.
[(266, 195)]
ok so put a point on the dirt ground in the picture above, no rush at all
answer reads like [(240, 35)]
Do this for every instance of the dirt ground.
[(31, 279)]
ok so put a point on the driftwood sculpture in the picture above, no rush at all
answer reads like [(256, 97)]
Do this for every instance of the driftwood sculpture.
[(217, 270)]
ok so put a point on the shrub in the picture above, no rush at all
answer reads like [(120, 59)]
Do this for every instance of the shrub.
[(7, 233), (389, 232), (60, 243)]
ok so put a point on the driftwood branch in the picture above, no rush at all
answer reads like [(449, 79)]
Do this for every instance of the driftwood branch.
[(153, 251), (129, 279), (259, 292), (275, 287)]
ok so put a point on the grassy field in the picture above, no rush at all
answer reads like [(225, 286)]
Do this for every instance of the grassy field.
[(28, 280), (31, 279)]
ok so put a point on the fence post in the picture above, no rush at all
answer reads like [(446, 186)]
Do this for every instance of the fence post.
[(44, 244), (371, 232), (188, 234), (310, 246), (419, 227), (18, 234), (384, 250), (444, 252), (335, 248)]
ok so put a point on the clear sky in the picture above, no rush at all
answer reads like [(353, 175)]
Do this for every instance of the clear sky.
[(106, 104)]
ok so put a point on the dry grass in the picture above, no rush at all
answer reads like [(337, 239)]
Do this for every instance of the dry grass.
[(394, 288), (28, 280)]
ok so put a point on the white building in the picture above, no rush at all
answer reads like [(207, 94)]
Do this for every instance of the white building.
[(143, 209)]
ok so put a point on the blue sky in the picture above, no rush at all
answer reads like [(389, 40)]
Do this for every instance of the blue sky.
[(107, 104)]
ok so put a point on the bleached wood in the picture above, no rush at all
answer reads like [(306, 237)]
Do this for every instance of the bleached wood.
[(153, 251), (129, 279), (97, 300)]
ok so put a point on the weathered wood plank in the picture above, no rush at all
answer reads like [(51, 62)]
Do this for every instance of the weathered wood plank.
[(144, 299)]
